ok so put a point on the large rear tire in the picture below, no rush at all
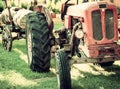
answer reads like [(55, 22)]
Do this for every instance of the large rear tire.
[(38, 42), (63, 70)]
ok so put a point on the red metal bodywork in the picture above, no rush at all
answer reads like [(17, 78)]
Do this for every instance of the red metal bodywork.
[(104, 48)]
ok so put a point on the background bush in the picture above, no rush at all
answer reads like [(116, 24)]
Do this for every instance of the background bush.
[(13, 4), (24, 5), (1, 6)]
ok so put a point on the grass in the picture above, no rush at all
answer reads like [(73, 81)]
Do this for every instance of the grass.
[(14, 71), (58, 23), (97, 78), (16, 74)]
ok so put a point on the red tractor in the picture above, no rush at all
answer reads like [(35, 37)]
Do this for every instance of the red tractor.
[(90, 35)]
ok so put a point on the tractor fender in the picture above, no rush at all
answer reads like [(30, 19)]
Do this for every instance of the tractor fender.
[(43, 9)]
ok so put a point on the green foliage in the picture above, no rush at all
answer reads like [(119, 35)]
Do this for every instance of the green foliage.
[(13, 4), (56, 11), (1, 6), (55, 6), (24, 5), (55, 1)]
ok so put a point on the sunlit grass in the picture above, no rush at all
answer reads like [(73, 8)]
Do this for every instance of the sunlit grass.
[(16, 74), (57, 23)]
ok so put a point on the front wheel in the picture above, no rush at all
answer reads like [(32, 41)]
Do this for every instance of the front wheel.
[(63, 70)]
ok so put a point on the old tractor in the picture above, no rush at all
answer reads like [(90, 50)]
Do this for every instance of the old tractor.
[(89, 35)]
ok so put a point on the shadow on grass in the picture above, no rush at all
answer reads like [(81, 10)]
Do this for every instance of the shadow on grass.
[(100, 80)]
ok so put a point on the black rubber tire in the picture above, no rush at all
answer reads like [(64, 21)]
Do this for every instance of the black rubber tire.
[(63, 70), (106, 64), (6, 38), (38, 42)]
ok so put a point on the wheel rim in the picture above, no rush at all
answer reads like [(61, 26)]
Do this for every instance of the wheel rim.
[(29, 45), (57, 72)]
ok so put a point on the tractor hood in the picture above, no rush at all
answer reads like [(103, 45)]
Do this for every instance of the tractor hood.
[(81, 9)]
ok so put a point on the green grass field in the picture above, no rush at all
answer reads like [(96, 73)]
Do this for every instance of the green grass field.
[(15, 73)]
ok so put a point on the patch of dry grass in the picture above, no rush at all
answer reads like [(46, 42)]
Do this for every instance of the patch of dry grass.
[(15, 78)]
